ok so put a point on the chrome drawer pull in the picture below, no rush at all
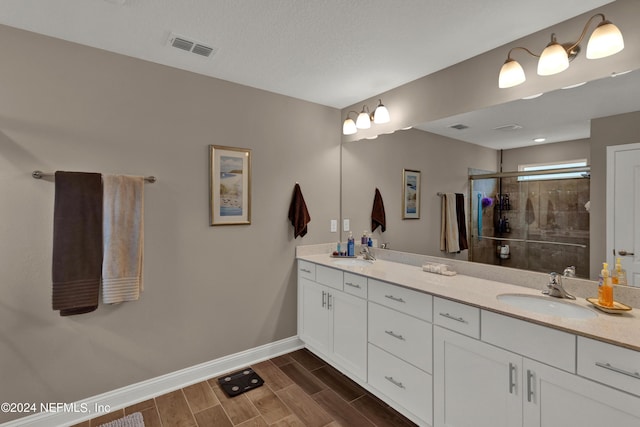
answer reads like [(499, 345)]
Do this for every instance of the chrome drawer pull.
[(457, 319), (394, 382), (529, 386), (618, 370), (324, 301), (512, 383), (352, 285), (398, 336), (391, 297), (305, 270), (328, 301)]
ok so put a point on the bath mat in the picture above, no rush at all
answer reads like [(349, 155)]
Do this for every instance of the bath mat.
[(238, 382), (132, 420)]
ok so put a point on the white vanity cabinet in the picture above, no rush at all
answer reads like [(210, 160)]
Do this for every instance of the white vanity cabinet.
[(331, 322), (521, 374)]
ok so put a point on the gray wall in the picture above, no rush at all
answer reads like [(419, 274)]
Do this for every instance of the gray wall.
[(209, 291), (443, 163), (606, 131), (557, 152)]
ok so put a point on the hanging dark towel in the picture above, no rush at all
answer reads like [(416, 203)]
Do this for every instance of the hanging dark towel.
[(77, 242), (378, 217), (298, 213), (462, 222)]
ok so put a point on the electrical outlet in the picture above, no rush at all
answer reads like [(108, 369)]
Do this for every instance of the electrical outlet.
[(345, 224), (334, 225)]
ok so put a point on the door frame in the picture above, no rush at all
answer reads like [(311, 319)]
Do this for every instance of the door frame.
[(611, 151)]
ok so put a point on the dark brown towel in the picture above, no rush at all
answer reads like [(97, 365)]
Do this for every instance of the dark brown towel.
[(298, 213), (462, 222), (77, 242), (378, 217)]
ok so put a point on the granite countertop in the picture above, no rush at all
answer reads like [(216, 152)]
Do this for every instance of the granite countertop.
[(618, 329)]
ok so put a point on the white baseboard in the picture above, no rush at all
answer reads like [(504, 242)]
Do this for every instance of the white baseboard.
[(116, 399)]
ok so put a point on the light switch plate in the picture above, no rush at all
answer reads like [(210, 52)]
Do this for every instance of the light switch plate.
[(345, 224), (334, 225)]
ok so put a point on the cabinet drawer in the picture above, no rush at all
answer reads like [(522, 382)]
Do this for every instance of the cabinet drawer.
[(329, 276), (355, 285), (306, 269), (402, 299), (546, 345), (404, 336), (458, 317), (405, 384), (611, 365)]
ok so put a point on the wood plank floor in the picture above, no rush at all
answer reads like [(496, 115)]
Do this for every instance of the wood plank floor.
[(299, 390)]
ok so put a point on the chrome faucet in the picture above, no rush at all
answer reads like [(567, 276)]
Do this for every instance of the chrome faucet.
[(366, 253), (555, 288), (569, 271)]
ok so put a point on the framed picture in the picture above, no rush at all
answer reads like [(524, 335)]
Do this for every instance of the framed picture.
[(229, 185), (410, 194)]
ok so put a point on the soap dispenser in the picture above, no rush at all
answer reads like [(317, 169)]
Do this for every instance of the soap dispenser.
[(619, 276), (605, 291), (351, 245)]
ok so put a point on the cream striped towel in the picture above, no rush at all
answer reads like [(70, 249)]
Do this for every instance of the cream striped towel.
[(123, 238)]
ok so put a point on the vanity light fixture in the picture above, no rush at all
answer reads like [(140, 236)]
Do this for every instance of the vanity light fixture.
[(364, 118), (605, 40)]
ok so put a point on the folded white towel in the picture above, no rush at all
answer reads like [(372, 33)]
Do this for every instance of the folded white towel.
[(449, 237), (123, 238)]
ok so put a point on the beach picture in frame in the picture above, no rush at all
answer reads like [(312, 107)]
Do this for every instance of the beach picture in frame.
[(410, 194), (230, 185)]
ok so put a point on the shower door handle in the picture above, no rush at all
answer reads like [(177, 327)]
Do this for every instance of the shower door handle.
[(622, 252)]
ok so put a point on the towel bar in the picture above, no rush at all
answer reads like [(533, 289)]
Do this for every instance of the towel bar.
[(40, 175)]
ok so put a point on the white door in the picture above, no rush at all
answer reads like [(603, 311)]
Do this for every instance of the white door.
[(349, 332), (315, 315), (474, 384), (623, 208), (554, 398)]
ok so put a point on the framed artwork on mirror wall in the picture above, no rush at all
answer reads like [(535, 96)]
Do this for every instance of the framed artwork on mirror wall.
[(410, 194)]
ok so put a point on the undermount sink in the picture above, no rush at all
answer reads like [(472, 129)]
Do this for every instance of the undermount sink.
[(352, 262), (547, 305)]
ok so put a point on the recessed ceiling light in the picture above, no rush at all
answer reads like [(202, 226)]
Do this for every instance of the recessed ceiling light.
[(539, 139), (575, 85), (537, 95), (621, 73)]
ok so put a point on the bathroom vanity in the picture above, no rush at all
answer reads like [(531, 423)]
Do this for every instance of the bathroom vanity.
[(446, 351)]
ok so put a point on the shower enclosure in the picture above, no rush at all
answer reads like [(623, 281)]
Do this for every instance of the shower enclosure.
[(535, 221)]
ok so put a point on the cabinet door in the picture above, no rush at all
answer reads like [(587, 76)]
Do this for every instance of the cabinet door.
[(314, 330), (475, 384), (349, 332), (554, 398)]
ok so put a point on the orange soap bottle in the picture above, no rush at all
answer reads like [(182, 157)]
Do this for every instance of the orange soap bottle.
[(605, 290)]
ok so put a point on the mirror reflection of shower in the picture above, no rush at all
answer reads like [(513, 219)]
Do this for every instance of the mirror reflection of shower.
[(536, 221)]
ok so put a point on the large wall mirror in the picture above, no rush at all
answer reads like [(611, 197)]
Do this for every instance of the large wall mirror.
[(494, 139)]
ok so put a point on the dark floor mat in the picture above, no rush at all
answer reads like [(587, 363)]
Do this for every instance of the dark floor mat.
[(238, 382)]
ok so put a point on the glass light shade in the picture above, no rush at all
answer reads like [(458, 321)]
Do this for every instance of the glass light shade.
[(511, 74), (381, 114), (605, 40), (553, 60), (363, 121), (349, 127)]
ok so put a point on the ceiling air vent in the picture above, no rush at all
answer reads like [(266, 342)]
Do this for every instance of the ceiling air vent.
[(459, 126), (188, 45), (509, 127)]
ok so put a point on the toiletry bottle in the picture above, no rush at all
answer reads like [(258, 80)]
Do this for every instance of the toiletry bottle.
[(351, 245), (605, 291), (338, 249), (364, 239), (370, 242), (619, 276)]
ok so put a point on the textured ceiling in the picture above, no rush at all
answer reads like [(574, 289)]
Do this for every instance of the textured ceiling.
[(331, 52)]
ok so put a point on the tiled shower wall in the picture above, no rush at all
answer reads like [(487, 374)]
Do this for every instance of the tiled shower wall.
[(550, 211)]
